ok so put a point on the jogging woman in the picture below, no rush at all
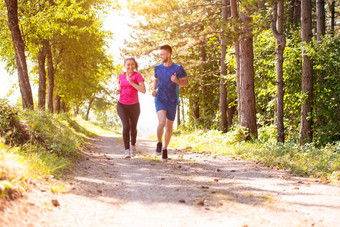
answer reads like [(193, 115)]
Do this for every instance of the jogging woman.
[(130, 83)]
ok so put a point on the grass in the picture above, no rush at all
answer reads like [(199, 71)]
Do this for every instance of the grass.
[(51, 146), (309, 160)]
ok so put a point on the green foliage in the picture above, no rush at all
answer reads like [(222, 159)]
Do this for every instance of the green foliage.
[(10, 128), (326, 66)]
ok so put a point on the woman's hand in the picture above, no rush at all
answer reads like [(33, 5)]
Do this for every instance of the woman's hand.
[(118, 92), (128, 78)]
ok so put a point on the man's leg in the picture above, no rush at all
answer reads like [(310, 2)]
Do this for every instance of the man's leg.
[(161, 114), (168, 133)]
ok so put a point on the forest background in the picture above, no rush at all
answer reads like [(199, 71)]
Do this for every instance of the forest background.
[(264, 73)]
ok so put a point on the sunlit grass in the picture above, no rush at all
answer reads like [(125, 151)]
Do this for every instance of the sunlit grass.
[(53, 147)]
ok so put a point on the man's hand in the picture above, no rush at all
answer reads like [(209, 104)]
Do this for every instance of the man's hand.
[(174, 78), (154, 93)]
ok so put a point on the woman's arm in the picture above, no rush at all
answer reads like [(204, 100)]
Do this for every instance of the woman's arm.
[(139, 87)]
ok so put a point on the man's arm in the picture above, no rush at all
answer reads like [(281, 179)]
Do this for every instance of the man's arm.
[(183, 82), (155, 86)]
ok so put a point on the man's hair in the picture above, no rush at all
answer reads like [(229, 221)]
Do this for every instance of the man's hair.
[(167, 48)]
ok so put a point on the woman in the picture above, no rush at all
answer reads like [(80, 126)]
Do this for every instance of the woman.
[(128, 107)]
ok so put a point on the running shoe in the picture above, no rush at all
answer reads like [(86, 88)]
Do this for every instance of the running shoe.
[(127, 154), (164, 155), (158, 149), (132, 150)]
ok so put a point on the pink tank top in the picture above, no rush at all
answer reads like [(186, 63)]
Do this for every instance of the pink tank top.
[(129, 94)]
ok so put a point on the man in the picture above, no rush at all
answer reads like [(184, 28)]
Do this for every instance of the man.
[(169, 76)]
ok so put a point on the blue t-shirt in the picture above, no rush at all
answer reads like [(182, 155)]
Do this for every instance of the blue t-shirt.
[(168, 91)]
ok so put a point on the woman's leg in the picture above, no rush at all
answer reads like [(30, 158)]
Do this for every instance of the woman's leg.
[(124, 116), (134, 112)]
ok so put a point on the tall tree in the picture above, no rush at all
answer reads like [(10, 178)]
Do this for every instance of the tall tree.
[(234, 15), (223, 89), (320, 21), (247, 113), (19, 47), (332, 8), (307, 74), (277, 29), (42, 78), (50, 74)]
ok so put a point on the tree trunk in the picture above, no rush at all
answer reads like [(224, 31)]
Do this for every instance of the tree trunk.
[(332, 8), (297, 11), (88, 109), (231, 112), (203, 59), (278, 16), (42, 77), (307, 74), (50, 74), (223, 89), (76, 111), (320, 22), (234, 14), (247, 88), (57, 104), (19, 48), (178, 114)]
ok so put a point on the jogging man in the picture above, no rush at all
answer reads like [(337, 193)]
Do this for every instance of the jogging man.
[(169, 76)]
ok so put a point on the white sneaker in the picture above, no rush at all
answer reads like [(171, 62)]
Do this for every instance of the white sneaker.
[(127, 154), (132, 151)]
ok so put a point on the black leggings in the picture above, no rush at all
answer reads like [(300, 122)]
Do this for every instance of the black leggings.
[(129, 115)]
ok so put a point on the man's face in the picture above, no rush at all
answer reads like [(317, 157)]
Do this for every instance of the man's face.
[(164, 55)]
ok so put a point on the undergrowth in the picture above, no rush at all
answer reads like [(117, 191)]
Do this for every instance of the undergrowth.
[(309, 160), (36, 145)]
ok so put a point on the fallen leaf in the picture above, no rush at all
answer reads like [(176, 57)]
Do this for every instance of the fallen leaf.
[(218, 170), (216, 180), (181, 201), (200, 203), (55, 202)]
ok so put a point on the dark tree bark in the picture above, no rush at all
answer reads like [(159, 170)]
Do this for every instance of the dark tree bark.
[(178, 114), (76, 111), (42, 77), (320, 22), (234, 14), (332, 8), (223, 89), (203, 58), (50, 69), (88, 109), (307, 74), (278, 17), (247, 113), (57, 105), (297, 11), (231, 112), (19, 48)]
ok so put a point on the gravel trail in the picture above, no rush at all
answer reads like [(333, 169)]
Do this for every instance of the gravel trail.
[(191, 189)]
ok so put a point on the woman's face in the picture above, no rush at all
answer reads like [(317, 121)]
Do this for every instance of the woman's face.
[(130, 66)]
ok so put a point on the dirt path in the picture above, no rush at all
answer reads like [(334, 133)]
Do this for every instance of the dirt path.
[(191, 189)]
